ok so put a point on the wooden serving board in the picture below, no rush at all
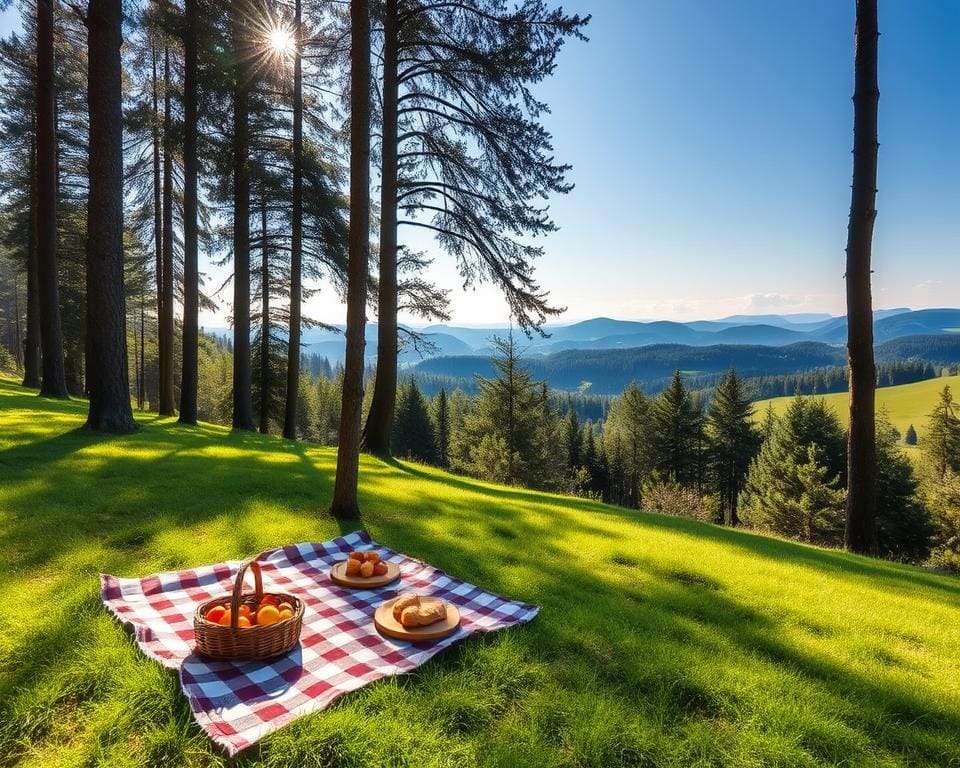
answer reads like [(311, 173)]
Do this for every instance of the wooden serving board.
[(389, 626), (338, 575)]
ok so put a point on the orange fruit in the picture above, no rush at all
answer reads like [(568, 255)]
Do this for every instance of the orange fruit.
[(245, 611), (286, 613), (215, 614), (225, 618), (285, 606), (243, 621), (366, 570), (268, 614)]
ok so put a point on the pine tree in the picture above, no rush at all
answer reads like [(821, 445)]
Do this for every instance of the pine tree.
[(344, 503), (942, 440), (733, 442), (630, 424), (505, 434), (107, 378), (675, 425), (413, 434), (456, 78), (572, 442), (904, 528), (910, 438), (441, 427), (242, 86), (781, 491), (191, 280), (53, 381)]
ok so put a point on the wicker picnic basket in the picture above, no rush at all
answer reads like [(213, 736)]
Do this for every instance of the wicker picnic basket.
[(216, 641)]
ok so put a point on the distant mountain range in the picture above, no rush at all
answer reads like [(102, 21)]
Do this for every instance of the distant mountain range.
[(608, 371), (605, 333)]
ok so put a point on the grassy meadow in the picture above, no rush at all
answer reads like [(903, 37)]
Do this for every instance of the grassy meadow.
[(905, 404), (662, 641)]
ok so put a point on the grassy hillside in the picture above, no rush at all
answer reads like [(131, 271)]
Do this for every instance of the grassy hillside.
[(662, 642), (905, 405)]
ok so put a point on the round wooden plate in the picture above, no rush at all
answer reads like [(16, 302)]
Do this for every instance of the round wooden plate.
[(389, 626), (338, 575)]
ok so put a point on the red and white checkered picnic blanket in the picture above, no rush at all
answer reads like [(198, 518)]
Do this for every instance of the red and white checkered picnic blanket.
[(238, 703)]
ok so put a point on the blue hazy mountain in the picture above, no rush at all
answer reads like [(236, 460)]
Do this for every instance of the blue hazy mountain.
[(604, 333)]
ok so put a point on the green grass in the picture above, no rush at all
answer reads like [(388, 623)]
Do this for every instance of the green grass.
[(662, 642), (905, 404)]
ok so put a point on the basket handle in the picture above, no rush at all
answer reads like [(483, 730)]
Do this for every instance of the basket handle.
[(238, 588)]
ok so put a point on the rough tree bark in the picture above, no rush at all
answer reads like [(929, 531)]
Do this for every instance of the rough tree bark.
[(296, 238), (379, 427), (107, 375), (54, 380), (861, 446), (166, 316), (242, 375), (157, 203), (344, 503), (191, 287), (31, 343), (265, 383)]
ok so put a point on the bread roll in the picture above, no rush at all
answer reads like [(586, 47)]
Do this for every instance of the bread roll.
[(405, 601), (427, 612)]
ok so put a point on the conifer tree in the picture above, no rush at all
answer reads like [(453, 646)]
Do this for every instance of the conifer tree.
[(191, 280), (910, 438), (413, 434), (675, 429), (465, 154), (344, 503), (504, 433), (733, 441), (630, 424), (107, 378), (53, 381), (782, 492), (904, 528), (942, 441), (441, 427)]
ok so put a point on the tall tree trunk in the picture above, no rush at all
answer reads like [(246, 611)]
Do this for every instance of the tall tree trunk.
[(344, 503), (107, 377), (242, 376), (191, 285), (157, 206), (379, 428), (166, 316), (142, 376), (31, 345), (264, 321), (54, 381), (861, 446), (296, 238)]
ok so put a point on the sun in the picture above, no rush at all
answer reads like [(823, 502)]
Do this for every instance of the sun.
[(280, 40)]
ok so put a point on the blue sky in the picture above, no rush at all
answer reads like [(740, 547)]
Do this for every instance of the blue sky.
[(711, 148)]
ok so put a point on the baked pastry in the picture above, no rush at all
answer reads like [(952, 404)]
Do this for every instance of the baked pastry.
[(405, 601), (426, 613)]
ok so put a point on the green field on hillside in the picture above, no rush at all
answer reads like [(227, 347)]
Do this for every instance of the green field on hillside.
[(905, 404), (662, 641)]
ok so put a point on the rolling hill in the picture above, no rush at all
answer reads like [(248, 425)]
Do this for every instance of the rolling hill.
[(905, 404), (661, 641)]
